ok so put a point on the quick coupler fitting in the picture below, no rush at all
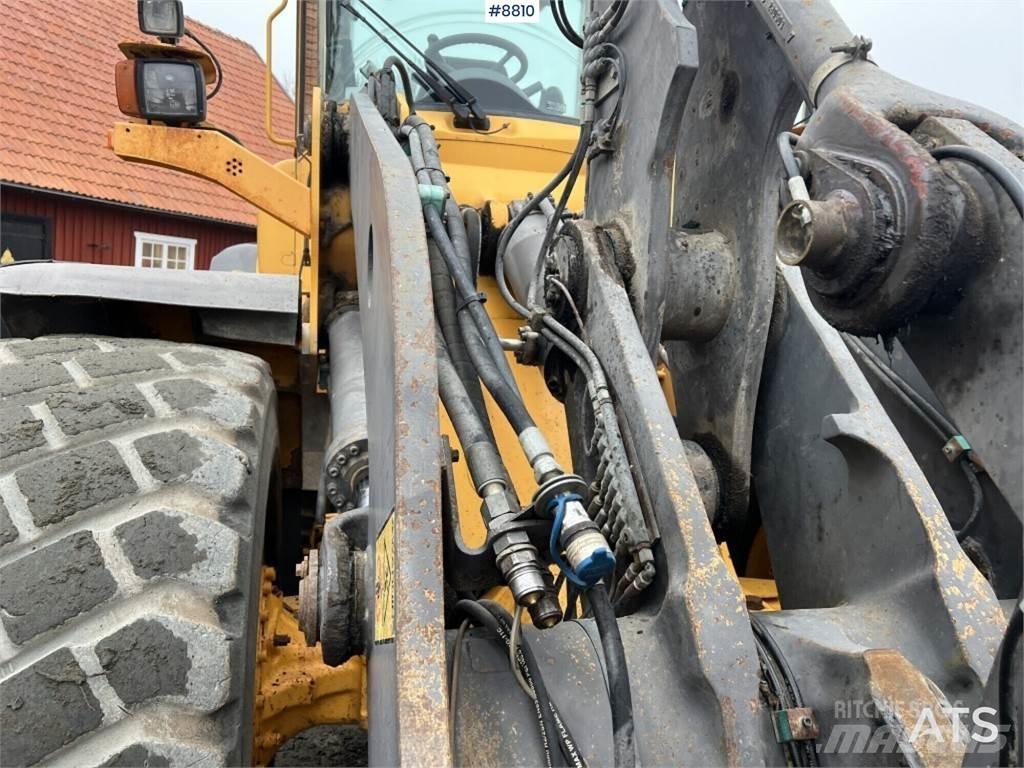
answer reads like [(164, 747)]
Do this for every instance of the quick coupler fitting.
[(588, 558), (524, 573)]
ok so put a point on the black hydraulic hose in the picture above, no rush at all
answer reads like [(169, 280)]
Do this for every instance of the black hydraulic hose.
[(508, 400), (618, 675), (466, 420), (556, 219), (788, 678), (986, 162), (423, 149), (531, 669), (482, 456), (563, 23), (531, 205), (1007, 650), (977, 497), (448, 321), (504, 391), (542, 702), (403, 73)]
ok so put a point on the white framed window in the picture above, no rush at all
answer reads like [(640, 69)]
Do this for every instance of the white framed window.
[(164, 251)]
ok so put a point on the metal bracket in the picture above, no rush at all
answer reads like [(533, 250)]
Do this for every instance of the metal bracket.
[(796, 724), (212, 156)]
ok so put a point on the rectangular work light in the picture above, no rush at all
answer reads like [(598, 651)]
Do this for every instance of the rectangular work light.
[(162, 18), (167, 90)]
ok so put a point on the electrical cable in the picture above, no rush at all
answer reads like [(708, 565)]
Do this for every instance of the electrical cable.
[(513, 649), (933, 413), (777, 689), (216, 64), (571, 303), (1014, 188), (878, 367), (619, 62), (977, 497), (222, 131), (594, 43), (919, 405), (618, 676)]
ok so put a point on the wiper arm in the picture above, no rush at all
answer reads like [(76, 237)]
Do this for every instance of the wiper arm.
[(457, 88), (468, 113)]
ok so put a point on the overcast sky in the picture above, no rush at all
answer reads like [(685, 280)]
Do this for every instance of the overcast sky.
[(970, 49)]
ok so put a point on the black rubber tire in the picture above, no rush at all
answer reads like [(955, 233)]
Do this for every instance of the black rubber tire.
[(134, 478)]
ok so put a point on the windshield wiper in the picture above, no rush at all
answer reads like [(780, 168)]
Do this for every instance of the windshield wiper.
[(464, 105)]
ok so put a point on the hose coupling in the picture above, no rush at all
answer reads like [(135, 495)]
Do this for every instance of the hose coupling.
[(589, 557), (520, 564)]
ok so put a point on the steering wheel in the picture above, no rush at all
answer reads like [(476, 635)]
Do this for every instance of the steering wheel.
[(512, 51)]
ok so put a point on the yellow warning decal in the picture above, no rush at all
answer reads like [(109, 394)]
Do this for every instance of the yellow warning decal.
[(384, 590)]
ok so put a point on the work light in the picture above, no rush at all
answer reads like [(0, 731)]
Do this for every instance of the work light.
[(168, 90), (162, 18)]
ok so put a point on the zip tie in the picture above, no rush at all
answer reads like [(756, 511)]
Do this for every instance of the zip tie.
[(481, 297)]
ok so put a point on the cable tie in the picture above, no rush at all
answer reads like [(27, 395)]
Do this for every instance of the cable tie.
[(481, 297)]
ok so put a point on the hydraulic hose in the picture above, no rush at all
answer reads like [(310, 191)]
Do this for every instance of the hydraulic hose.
[(531, 669), (448, 320), (986, 162), (542, 702), (508, 399), (403, 73), (485, 464), (531, 205), (425, 158), (785, 141), (505, 394), (618, 676), (564, 24), (556, 219)]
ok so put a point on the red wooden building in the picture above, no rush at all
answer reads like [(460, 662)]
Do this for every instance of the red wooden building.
[(63, 193)]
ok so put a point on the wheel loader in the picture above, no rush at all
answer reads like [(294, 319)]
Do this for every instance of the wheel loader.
[(621, 382)]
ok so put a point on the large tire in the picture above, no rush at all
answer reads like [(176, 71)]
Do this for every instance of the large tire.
[(134, 481)]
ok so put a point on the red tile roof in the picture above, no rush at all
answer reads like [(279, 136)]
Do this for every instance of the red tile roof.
[(58, 103)]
